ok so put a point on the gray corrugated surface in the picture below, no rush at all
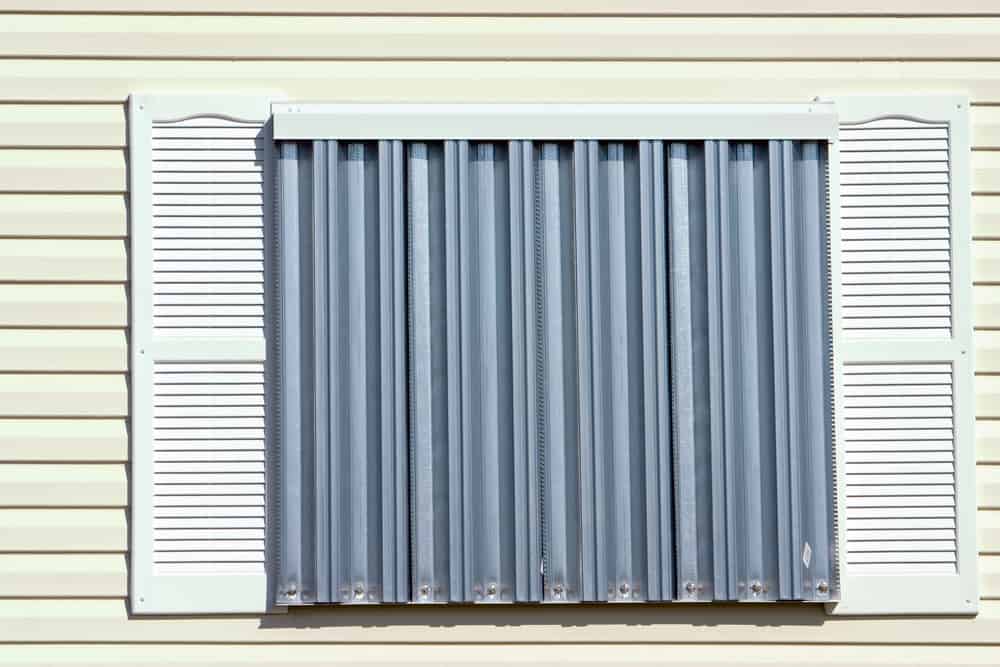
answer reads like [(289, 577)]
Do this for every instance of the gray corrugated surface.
[(572, 371)]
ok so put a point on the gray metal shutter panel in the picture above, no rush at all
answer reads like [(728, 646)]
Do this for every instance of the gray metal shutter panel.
[(538, 362), (343, 504), (751, 360)]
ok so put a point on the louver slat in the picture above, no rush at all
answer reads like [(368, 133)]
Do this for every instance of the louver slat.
[(896, 240)]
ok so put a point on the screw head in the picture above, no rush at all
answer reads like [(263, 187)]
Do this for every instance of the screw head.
[(756, 587), (623, 589), (359, 591), (822, 587), (425, 591), (491, 589), (690, 588), (557, 591)]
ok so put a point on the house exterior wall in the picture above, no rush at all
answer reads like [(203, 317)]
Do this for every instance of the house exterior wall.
[(66, 69)]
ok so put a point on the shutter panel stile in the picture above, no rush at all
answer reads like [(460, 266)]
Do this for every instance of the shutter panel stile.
[(905, 395), (200, 225)]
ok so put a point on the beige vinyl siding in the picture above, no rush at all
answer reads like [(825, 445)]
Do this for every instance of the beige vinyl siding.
[(64, 79)]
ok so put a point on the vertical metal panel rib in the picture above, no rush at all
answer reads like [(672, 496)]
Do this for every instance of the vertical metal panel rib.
[(615, 562), (320, 367), (557, 402), (655, 372), (295, 563), (431, 410), (487, 437), (809, 374), (392, 263), (526, 537)]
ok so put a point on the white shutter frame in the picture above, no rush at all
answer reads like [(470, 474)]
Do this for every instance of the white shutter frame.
[(186, 587), (906, 588)]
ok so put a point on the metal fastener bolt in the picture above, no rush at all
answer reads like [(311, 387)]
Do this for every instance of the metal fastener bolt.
[(292, 591), (623, 589), (425, 591), (491, 590), (823, 588), (359, 591), (557, 591), (690, 588), (756, 587)]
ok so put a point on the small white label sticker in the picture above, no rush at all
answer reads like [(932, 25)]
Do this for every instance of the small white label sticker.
[(807, 554)]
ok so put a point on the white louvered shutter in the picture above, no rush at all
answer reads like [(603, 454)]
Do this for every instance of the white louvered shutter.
[(200, 208), (903, 347)]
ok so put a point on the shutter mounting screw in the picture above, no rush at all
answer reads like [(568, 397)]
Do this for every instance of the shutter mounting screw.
[(690, 588), (623, 589), (756, 587), (491, 590), (823, 588), (359, 591), (425, 591)]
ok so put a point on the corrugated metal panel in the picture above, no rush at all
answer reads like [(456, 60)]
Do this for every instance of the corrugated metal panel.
[(343, 507), (750, 347), (896, 234), (535, 349)]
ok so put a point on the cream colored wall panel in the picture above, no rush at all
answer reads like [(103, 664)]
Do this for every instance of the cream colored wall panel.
[(62, 575), (76, 215), (63, 305), (61, 170), (986, 262), (987, 441), (986, 216), (393, 81), (986, 171), (988, 527), (985, 121), (62, 485), (62, 530), (986, 300), (498, 7), (65, 125), (103, 620), (69, 260), (987, 351), (467, 37), (491, 654), (54, 395), (988, 396), (63, 440), (989, 577), (71, 350), (988, 487)]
